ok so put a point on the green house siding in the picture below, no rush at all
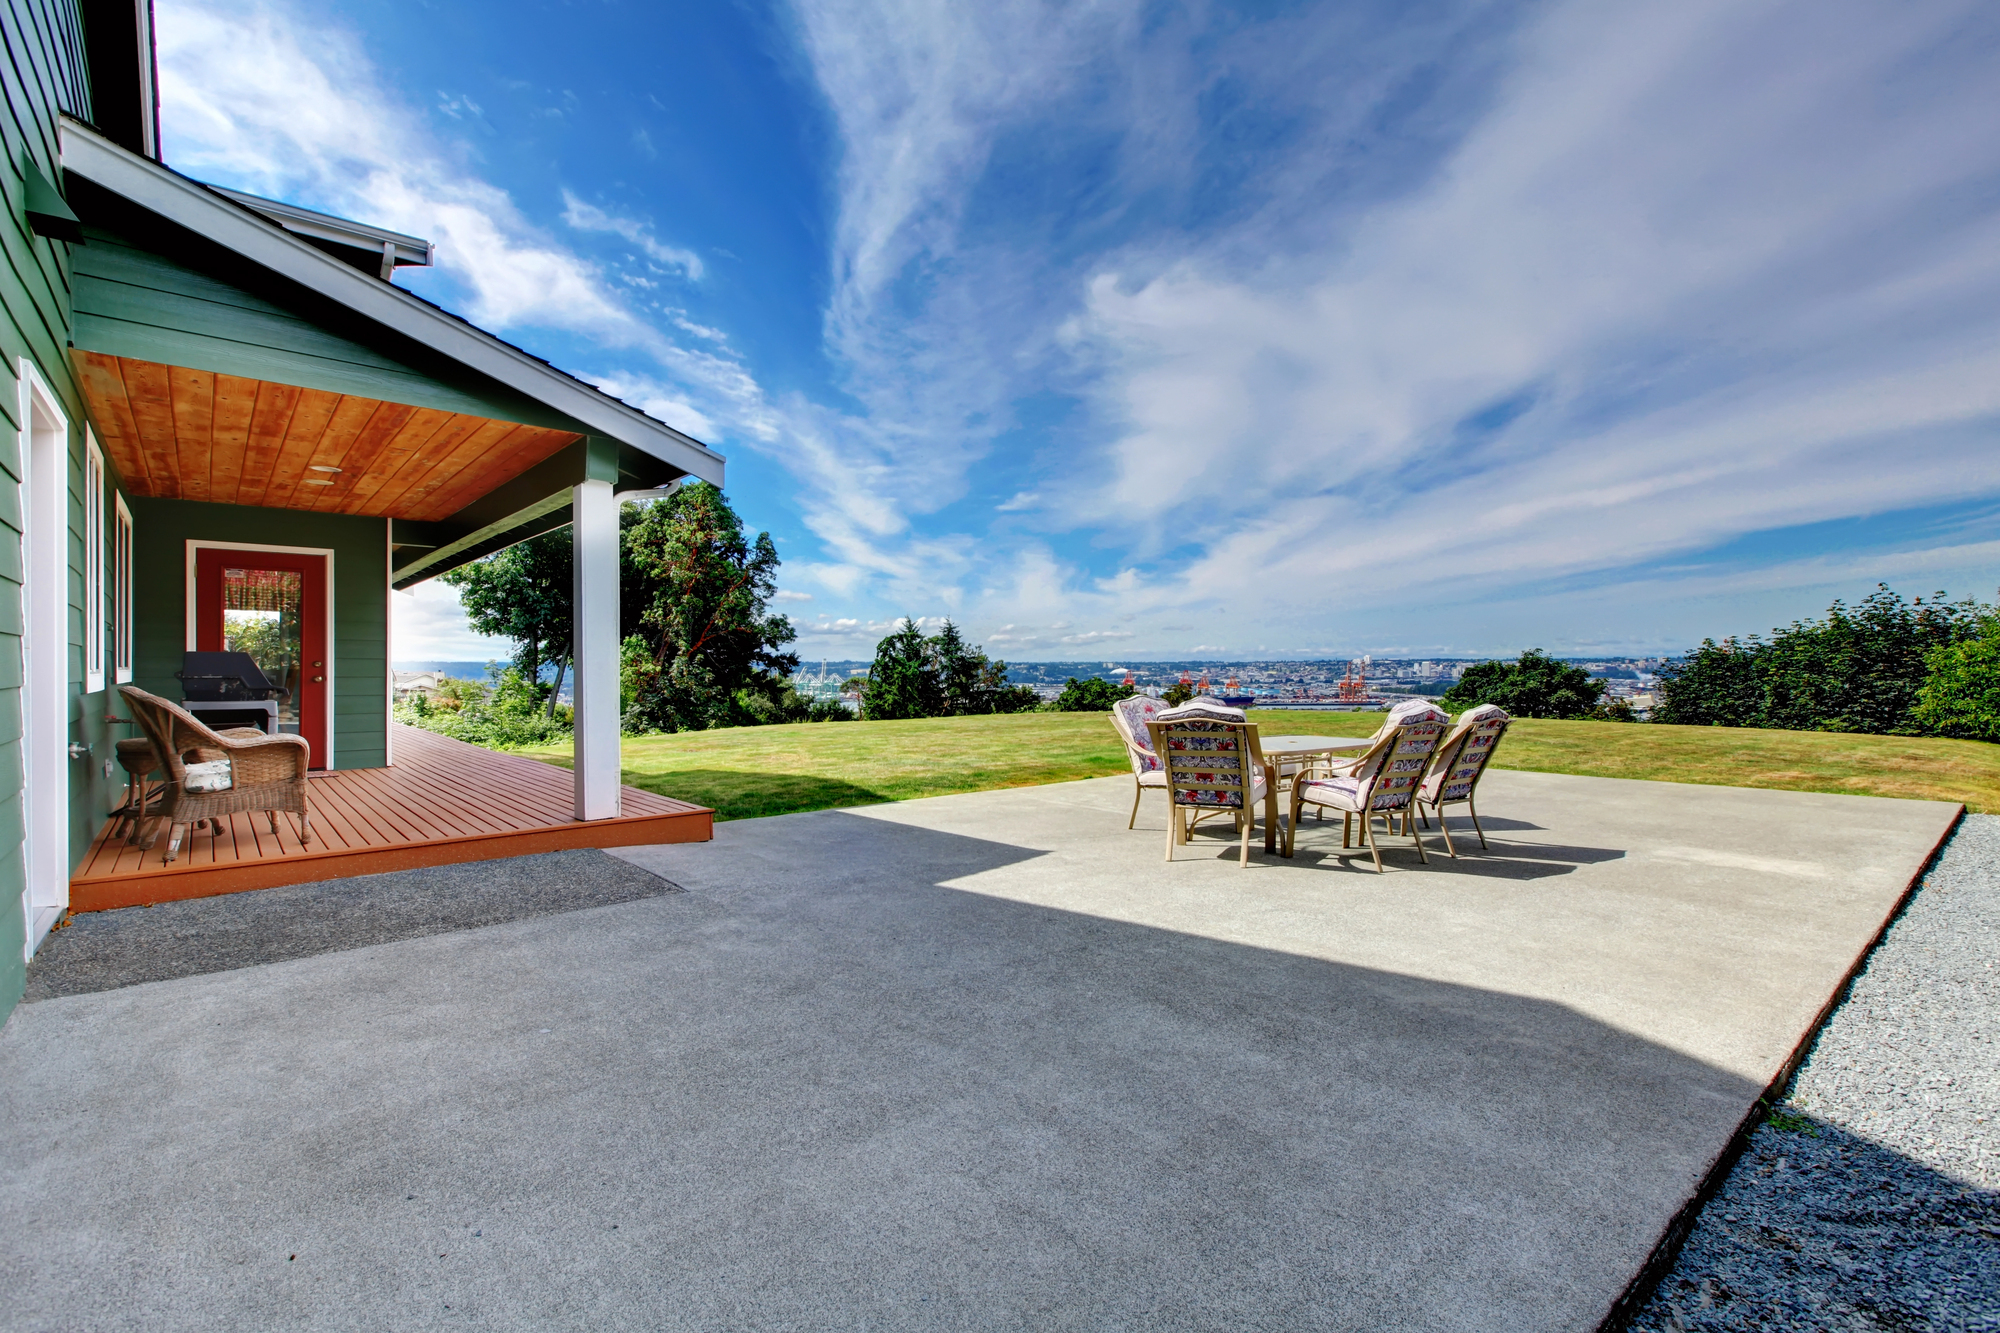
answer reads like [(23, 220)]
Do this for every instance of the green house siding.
[(183, 302), (42, 73), (161, 532)]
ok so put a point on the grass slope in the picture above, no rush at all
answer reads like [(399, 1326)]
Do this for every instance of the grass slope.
[(751, 771)]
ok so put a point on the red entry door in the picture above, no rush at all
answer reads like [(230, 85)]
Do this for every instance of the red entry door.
[(272, 605)]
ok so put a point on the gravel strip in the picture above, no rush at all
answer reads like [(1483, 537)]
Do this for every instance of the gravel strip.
[(1870, 1199), (97, 951)]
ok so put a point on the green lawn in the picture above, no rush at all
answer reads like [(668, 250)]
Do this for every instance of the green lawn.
[(751, 771)]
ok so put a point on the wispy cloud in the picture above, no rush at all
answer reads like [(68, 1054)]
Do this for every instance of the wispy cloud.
[(251, 102), (1613, 285), (589, 217)]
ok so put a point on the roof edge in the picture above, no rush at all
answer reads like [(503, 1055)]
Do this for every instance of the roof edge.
[(208, 212), (327, 227)]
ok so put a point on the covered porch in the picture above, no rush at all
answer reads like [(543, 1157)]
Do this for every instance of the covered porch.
[(284, 433)]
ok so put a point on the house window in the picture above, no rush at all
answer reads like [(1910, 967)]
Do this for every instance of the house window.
[(93, 564), (121, 591)]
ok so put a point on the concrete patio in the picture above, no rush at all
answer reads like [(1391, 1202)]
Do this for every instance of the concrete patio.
[(973, 1062)]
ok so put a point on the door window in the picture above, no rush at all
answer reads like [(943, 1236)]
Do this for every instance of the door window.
[(263, 614)]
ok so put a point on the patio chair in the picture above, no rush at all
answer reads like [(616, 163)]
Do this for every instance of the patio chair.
[(1381, 782), (1129, 718), (1456, 768), (1214, 766), (254, 772)]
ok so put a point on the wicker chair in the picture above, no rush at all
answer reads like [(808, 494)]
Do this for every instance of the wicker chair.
[(1214, 766), (1382, 782), (1129, 718), (265, 773), (1460, 761)]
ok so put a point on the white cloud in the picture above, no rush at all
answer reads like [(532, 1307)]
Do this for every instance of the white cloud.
[(787, 595), (428, 624), (588, 217), (255, 97), (1679, 274)]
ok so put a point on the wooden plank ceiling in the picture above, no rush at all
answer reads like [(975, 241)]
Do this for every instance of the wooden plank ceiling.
[(194, 435)]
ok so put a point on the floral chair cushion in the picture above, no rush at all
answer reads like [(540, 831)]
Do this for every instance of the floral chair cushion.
[(1387, 777), (1208, 759), (1135, 713), (1472, 741), (1340, 793), (1206, 709)]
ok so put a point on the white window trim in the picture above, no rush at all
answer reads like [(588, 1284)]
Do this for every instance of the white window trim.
[(332, 648), (122, 645), (93, 563), (44, 445)]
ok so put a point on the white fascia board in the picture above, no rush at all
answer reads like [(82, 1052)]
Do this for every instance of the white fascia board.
[(341, 231), (206, 213)]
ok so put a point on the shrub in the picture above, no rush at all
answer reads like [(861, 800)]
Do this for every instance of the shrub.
[(1535, 686), (1095, 695), (1177, 694), (1961, 695), (510, 713), (1858, 669)]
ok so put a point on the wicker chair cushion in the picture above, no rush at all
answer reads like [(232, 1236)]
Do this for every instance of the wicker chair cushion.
[(213, 775)]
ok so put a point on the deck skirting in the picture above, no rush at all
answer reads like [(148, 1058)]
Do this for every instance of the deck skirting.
[(443, 802)]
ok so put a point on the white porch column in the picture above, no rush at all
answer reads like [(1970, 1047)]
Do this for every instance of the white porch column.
[(594, 530)]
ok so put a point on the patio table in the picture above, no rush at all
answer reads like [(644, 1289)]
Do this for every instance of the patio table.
[(1278, 748)]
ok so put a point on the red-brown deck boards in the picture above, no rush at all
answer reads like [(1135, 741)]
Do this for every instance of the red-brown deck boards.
[(442, 802)]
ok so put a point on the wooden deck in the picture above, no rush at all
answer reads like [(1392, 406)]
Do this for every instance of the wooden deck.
[(442, 802)]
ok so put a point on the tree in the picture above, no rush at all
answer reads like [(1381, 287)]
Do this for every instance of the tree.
[(1095, 695), (1858, 669), (524, 593), (1961, 695), (1716, 685), (900, 683), (958, 671), (702, 614), (1535, 686), (938, 676), (1177, 693)]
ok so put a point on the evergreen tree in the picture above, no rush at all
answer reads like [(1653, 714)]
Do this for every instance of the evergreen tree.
[(938, 676), (702, 614), (1716, 685), (959, 672), (901, 683)]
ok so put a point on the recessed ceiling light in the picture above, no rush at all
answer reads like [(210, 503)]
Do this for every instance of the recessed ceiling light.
[(321, 467)]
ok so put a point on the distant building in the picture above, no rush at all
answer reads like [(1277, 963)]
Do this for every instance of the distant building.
[(406, 683)]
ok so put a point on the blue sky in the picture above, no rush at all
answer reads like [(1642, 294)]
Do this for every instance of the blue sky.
[(1132, 330)]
